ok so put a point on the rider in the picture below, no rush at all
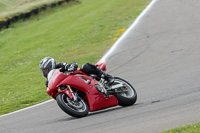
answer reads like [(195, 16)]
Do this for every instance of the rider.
[(48, 63)]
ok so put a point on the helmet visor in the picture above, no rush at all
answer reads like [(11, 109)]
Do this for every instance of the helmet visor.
[(45, 71)]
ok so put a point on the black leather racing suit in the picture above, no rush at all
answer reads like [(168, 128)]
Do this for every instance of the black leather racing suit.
[(87, 68)]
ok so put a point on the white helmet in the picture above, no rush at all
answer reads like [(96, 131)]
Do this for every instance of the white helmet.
[(46, 65)]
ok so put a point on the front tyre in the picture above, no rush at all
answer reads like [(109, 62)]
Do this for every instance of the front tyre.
[(74, 108), (125, 94)]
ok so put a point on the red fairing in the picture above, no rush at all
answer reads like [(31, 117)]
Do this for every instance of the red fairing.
[(79, 80), (56, 79), (95, 99)]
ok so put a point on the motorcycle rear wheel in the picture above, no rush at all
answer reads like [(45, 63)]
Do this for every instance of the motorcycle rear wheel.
[(127, 97), (75, 109)]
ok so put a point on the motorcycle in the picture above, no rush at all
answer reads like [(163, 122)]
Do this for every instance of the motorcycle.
[(77, 93)]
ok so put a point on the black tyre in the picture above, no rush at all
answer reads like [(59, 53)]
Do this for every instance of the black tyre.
[(126, 94), (76, 109)]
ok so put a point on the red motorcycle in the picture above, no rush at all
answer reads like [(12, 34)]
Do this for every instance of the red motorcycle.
[(77, 93)]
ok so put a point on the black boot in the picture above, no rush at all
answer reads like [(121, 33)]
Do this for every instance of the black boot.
[(107, 77)]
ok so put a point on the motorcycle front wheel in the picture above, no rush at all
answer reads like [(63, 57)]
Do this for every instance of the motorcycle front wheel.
[(125, 94), (74, 108)]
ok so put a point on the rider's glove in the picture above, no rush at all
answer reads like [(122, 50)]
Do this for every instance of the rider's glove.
[(64, 67), (72, 67)]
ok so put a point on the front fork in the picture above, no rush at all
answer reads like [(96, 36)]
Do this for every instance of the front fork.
[(74, 96), (68, 91)]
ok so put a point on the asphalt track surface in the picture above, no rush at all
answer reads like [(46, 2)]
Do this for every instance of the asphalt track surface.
[(160, 58)]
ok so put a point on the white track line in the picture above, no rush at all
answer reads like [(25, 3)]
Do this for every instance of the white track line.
[(128, 30), (105, 56), (27, 108)]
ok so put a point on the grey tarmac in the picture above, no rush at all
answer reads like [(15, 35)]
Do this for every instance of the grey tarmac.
[(160, 58)]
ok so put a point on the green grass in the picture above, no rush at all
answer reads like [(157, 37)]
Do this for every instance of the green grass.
[(194, 128), (81, 32), (8, 7)]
